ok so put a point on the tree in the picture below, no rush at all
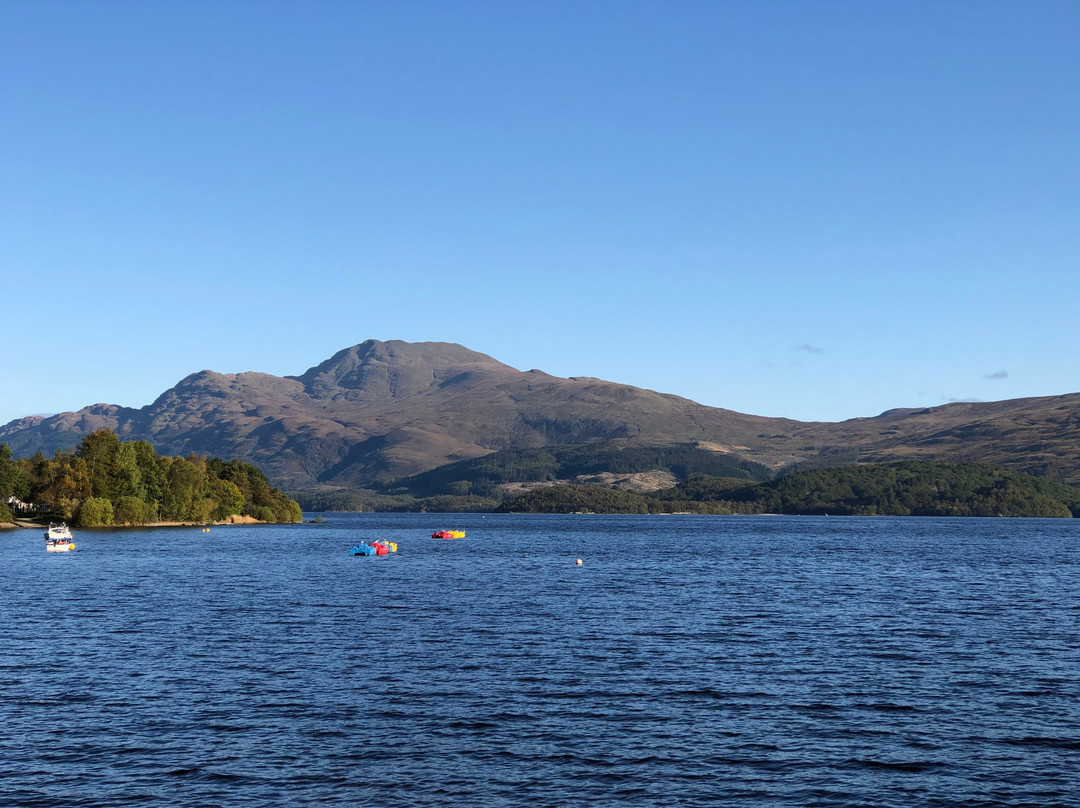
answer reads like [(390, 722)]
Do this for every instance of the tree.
[(133, 511), (95, 512), (226, 497), (128, 474), (13, 479), (64, 477), (151, 471), (100, 451), (183, 490)]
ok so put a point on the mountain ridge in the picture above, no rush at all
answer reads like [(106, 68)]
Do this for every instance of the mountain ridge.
[(378, 411)]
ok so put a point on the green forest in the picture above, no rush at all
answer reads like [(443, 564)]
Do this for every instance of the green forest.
[(481, 477), (913, 488), (476, 485), (106, 481)]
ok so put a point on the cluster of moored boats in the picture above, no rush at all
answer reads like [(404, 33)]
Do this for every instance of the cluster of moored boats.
[(378, 548), (374, 548)]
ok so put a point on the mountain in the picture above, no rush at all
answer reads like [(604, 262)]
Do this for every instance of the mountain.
[(386, 410)]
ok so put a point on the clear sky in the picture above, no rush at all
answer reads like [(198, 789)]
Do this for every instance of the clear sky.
[(819, 209)]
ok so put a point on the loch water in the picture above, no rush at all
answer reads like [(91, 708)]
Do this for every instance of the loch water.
[(735, 661)]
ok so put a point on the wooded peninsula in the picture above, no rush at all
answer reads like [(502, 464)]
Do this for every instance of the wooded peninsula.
[(109, 482)]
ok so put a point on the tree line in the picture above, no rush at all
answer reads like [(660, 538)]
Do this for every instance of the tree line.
[(106, 481), (913, 488)]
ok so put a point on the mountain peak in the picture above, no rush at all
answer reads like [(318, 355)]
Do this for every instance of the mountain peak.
[(375, 370)]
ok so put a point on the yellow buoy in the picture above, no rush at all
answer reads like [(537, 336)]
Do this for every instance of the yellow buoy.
[(579, 562)]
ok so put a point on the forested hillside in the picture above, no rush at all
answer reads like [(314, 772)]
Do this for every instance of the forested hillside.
[(913, 488), (482, 476)]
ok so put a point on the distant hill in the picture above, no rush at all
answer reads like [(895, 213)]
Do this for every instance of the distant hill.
[(1038, 436), (383, 411)]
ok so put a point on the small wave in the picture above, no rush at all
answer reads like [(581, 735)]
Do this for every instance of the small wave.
[(79, 698), (914, 766), (1043, 741), (816, 707), (183, 772), (702, 693), (889, 707), (222, 777)]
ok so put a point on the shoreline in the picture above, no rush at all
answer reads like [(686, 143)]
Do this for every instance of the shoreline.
[(39, 524)]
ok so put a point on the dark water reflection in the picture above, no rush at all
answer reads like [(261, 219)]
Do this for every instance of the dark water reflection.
[(687, 661)]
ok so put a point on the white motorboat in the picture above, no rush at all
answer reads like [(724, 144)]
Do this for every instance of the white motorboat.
[(58, 538)]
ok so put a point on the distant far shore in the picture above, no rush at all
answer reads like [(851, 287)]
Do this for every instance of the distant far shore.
[(236, 519)]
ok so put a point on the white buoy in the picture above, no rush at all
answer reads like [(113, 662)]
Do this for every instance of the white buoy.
[(579, 562)]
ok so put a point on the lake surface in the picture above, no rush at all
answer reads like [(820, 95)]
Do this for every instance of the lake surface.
[(738, 661)]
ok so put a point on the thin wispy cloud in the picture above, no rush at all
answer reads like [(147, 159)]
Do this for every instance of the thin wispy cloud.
[(999, 374), (810, 349)]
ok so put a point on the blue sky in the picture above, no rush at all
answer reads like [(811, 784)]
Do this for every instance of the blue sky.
[(818, 210)]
